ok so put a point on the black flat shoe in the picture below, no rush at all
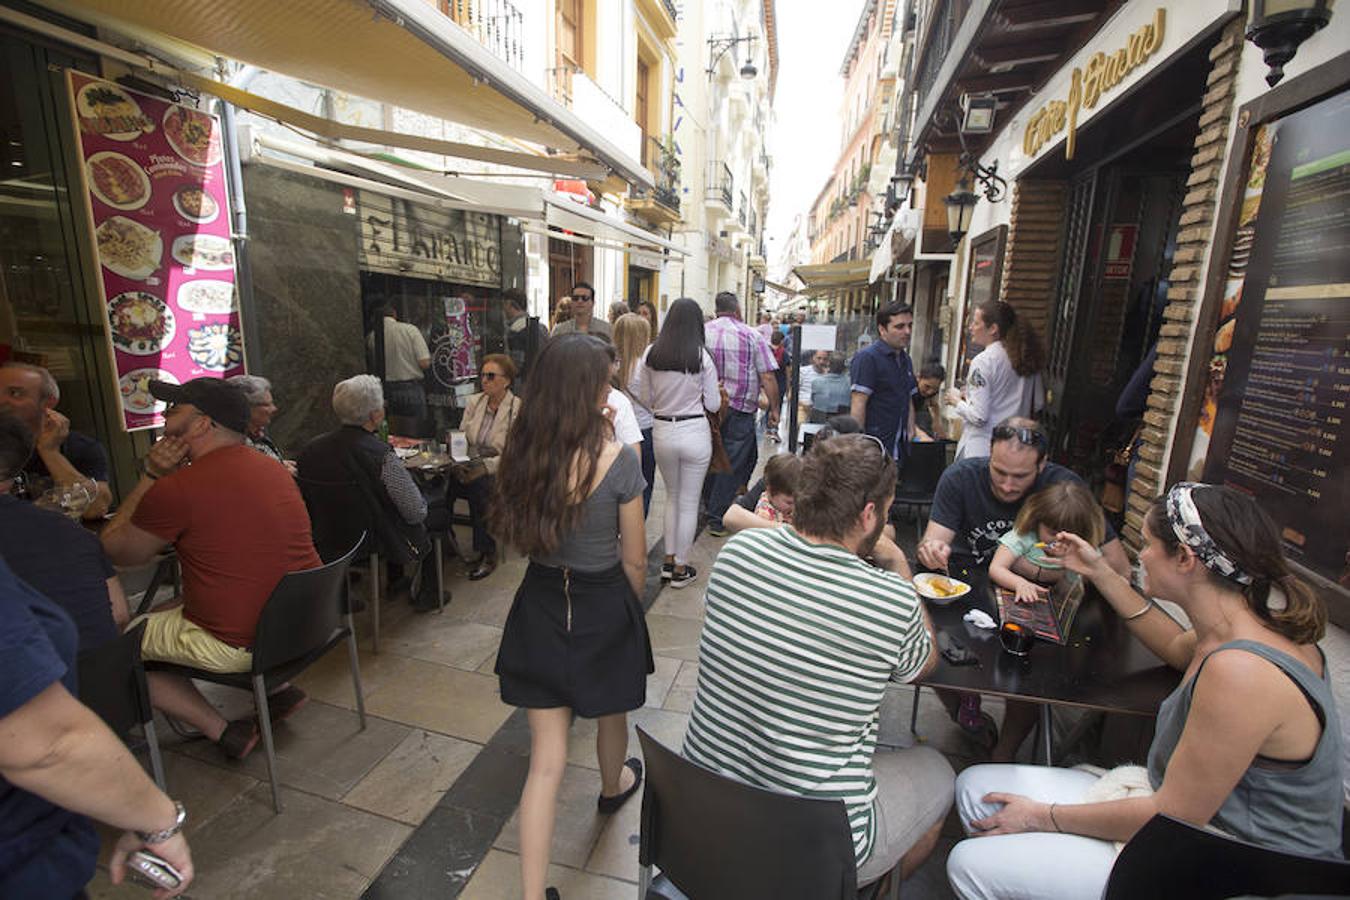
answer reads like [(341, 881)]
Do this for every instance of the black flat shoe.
[(486, 566), (611, 804), (552, 894)]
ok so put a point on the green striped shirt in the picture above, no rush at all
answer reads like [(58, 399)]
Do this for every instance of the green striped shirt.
[(798, 645)]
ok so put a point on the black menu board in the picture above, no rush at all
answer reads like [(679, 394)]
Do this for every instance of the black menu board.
[(1280, 427)]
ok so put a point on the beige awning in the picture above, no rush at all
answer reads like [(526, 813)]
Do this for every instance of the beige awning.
[(843, 275), (402, 52)]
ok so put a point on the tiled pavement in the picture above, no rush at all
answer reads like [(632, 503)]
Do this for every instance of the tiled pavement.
[(423, 803)]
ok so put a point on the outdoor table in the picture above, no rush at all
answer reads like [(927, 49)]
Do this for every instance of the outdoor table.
[(1103, 667)]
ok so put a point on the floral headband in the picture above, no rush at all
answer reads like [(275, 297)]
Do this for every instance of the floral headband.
[(1185, 521)]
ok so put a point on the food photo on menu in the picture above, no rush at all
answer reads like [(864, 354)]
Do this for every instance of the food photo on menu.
[(158, 207)]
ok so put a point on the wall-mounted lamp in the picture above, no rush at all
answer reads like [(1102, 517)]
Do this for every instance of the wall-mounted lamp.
[(960, 209), (718, 47), (1279, 26), (985, 176), (977, 113)]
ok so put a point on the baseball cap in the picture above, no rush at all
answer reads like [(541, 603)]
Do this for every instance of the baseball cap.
[(217, 399)]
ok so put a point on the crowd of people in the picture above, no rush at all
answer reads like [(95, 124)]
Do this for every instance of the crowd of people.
[(811, 609)]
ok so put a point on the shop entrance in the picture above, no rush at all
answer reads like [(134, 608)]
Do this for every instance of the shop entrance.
[(641, 285)]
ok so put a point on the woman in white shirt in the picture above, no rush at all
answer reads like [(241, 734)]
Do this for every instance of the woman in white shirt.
[(677, 381), (632, 336), (1004, 379)]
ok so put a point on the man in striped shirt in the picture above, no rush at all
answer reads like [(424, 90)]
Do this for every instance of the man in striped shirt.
[(800, 640)]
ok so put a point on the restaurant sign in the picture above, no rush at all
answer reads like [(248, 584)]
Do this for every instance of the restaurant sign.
[(1102, 72), (401, 237)]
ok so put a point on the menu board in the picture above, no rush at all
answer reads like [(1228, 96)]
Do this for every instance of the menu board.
[(1280, 379), (158, 207)]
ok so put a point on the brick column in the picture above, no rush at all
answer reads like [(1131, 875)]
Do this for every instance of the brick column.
[(1031, 260), (1183, 297)]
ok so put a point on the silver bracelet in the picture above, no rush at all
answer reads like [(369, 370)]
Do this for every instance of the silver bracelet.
[(1132, 616), (159, 837)]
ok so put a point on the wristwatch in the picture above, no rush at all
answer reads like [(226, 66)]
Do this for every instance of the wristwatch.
[(159, 837)]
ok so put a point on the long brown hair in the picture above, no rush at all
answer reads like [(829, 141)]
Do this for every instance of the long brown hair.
[(1062, 506), (1251, 539), (554, 447), (632, 334), (1020, 340)]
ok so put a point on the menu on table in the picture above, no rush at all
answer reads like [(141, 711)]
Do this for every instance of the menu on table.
[(1280, 427), (1051, 617), (158, 206)]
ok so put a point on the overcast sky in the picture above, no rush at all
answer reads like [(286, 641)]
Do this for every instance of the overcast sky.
[(804, 141)]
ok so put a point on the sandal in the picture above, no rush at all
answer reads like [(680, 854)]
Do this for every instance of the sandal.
[(611, 804)]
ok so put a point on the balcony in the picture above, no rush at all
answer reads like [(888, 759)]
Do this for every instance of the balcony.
[(720, 186), (661, 204), (497, 24), (573, 88)]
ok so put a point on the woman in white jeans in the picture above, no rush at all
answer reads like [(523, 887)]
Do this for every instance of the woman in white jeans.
[(677, 381)]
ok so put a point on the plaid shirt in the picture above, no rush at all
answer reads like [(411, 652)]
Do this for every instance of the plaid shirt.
[(741, 355)]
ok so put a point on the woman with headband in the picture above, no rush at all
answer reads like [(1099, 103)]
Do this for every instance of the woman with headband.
[(1249, 743)]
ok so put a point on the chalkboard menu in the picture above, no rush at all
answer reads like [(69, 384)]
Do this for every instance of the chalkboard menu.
[(1280, 380)]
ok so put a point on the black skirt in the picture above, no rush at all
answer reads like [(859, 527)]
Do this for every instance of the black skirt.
[(577, 640)]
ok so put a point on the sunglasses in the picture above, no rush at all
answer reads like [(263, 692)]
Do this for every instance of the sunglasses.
[(1032, 437), (876, 440), (491, 376), (581, 298)]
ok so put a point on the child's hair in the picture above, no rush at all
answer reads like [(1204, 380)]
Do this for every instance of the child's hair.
[(1063, 506), (780, 473)]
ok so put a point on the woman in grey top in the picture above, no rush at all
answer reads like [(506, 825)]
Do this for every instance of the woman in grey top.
[(570, 496), (1249, 743)]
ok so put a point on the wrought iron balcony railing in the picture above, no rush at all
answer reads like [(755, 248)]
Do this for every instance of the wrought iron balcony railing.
[(497, 24)]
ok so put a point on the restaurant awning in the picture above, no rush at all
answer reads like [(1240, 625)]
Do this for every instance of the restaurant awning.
[(562, 212), (402, 52), (835, 276)]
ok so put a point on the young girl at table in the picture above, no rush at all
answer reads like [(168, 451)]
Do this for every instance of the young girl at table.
[(1022, 563)]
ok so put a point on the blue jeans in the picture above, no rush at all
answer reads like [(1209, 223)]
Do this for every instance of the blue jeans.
[(742, 446), (648, 470)]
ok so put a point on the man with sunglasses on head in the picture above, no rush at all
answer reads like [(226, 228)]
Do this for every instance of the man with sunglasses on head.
[(977, 501), (584, 320)]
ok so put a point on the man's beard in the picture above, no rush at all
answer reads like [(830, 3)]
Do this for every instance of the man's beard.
[(869, 542)]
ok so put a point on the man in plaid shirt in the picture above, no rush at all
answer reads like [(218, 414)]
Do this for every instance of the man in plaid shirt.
[(745, 366)]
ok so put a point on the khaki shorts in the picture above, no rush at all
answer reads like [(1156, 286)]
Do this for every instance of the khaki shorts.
[(914, 791), (173, 639)]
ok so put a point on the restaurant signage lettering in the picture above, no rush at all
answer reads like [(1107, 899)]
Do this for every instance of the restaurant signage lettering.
[(1102, 72), (158, 207), (405, 238)]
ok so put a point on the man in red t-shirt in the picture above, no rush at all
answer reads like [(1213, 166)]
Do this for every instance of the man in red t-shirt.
[(238, 524)]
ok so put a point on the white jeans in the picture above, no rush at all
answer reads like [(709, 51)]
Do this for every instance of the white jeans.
[(1039, 865), (682, 451)]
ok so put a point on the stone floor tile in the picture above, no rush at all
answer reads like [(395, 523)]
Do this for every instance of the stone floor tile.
[(450, 642), (673, 636), (409, 781), (616, 850), (102, 888), (320, 750), (488, 600), (441, 699), (686, 603), (576, 826), (664, 725), (330, 680), (440, 857), (489, 665), (498, 878), (681, 696), (660, 681), (316, 848)]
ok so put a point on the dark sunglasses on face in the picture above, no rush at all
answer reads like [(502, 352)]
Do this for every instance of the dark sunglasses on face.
[(1029, 436), (492, 376), (581, 298)]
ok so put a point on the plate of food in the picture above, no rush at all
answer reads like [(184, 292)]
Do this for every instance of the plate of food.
[(194, 203), (941, 588), (141, 323), (111, 107), (216, 346), (128, 248), (193, 135), (135, 388), (206, 296), (117, 180), (208, 252)]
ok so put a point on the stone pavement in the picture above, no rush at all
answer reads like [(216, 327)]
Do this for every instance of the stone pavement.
[(423, 803)]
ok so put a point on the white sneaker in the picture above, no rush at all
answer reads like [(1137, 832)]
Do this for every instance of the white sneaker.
[(680, 579)]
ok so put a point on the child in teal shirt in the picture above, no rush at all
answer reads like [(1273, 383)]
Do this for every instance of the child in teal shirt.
[(1021, 563)]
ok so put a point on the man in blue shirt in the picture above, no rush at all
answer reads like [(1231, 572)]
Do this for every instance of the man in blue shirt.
[(883, 381)]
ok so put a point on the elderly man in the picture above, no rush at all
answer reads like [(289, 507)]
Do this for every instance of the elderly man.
[(820, 365), (356, 478), (258, 391), (59, 558), (64, 456), (238, 523), (801, 639), (745, 367)]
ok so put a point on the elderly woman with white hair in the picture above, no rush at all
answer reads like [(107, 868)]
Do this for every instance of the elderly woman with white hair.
[(262, 408), (353, 483)]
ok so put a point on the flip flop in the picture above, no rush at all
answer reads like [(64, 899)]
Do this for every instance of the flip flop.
[(611, 804)]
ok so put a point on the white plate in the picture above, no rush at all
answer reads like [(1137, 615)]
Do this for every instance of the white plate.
[(923, 584)]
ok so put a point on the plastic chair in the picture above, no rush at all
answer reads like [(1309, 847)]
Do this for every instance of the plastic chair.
[(919, 480), (715, 838), (112, 684), (307, 615), (1170, 859)]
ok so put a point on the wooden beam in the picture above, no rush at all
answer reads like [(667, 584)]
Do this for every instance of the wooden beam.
[(1003, 83), (1019, 53)]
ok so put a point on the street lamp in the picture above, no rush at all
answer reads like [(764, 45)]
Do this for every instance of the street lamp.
[(903, 182), (718, 47), (1279, 26), (960, 208)]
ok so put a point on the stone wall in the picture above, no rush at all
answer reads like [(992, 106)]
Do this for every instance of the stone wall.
[(1032, 258)]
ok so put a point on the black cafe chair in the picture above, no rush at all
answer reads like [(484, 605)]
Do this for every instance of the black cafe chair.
[(112, 684), (307, 615), (715, 838), (918, 481), (1172, 860)]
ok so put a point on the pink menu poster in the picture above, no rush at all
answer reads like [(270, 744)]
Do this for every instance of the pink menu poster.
[(159, 212)]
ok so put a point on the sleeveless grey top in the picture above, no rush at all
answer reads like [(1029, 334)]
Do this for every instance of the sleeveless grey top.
[(1290, 807)]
